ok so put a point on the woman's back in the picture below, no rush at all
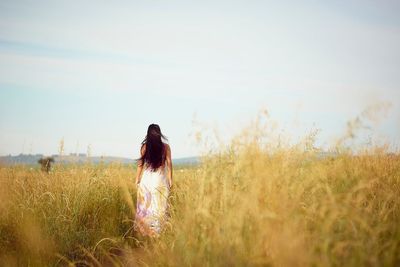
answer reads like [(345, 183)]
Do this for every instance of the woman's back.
[(147, 165), (153, 178)]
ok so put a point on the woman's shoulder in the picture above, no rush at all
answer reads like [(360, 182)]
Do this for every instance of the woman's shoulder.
[(166, 146), (143, 149)]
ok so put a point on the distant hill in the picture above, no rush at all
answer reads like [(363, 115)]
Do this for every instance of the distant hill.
[(186, 161), (32, 159)]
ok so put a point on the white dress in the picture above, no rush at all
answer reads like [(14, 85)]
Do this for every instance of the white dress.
[(152, 201)]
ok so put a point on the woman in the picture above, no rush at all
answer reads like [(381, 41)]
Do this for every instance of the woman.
[(154, 181)]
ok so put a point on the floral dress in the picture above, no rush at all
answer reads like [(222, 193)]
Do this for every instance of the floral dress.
[(152, 202)]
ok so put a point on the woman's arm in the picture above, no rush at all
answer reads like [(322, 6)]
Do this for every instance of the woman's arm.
[(169, 165), (140, 165)]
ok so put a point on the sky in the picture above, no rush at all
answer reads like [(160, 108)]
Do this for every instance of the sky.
[(97, 73)]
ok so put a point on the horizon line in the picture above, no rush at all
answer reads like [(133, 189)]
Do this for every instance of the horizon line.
[(82, 155)]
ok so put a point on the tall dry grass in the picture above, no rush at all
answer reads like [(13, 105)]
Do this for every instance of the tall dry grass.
[(258, 201)]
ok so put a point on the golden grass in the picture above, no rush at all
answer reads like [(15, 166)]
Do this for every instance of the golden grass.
[(252, 203)]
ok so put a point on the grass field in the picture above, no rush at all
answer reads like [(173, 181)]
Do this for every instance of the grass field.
[(252, 203)]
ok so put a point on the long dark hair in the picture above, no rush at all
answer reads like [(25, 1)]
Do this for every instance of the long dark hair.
[(155, 152)]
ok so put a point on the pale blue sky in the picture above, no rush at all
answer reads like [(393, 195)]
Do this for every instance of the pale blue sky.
[(99, 72)]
